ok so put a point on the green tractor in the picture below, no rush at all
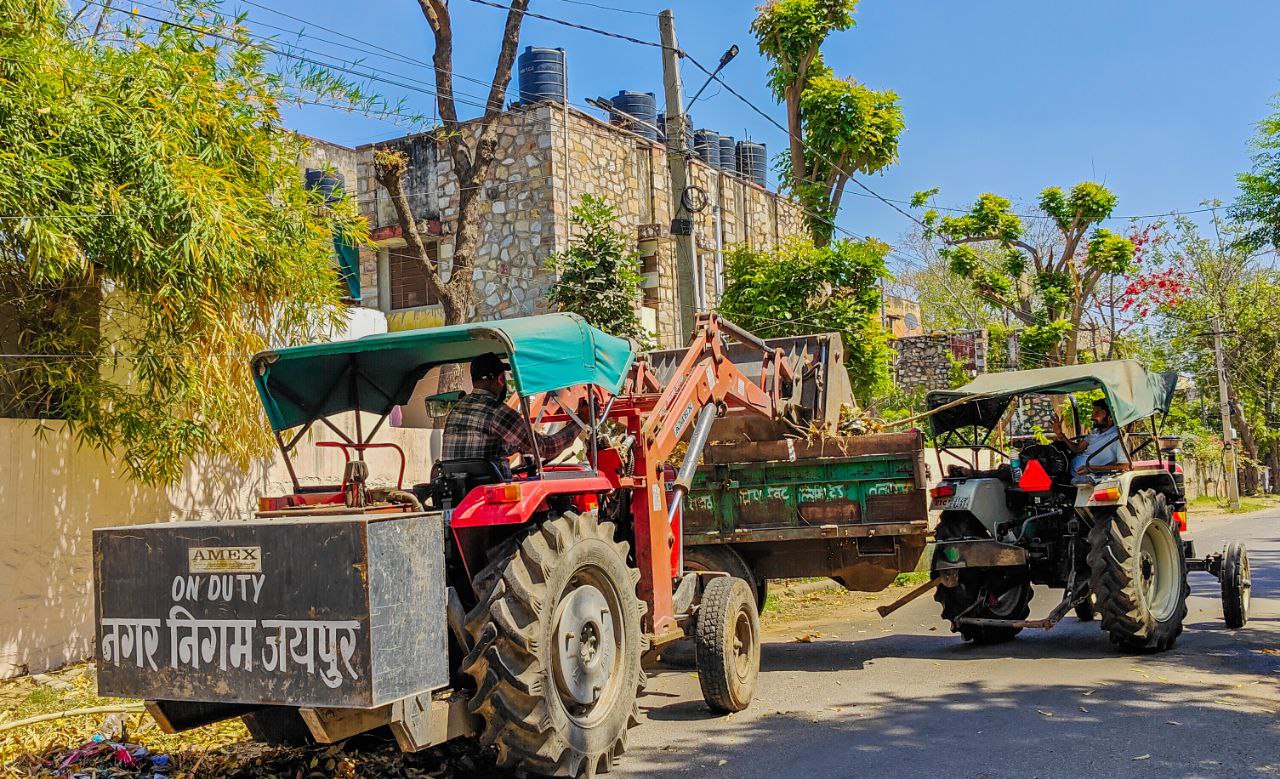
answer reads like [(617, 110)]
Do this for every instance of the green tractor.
[(1101, 516)]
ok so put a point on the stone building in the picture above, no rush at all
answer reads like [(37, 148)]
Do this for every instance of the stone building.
[(549, 156)]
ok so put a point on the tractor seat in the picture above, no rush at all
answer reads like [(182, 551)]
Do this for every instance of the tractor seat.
[(453, 480)]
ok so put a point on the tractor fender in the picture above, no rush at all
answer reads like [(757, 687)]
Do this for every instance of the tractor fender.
[(489, 505), (1097, 496)]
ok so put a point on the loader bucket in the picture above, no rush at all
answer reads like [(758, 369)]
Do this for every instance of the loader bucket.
[(812, 402)]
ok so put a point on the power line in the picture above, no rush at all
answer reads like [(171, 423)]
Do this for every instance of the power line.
[(610, 8), (574, 25)]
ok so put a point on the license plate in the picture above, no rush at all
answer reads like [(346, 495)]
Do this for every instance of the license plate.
[(951, 503)]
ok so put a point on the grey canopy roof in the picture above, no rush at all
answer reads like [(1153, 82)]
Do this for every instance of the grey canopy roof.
[(1132, 392)]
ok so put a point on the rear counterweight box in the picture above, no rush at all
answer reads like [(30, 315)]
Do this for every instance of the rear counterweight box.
[(337, 611)]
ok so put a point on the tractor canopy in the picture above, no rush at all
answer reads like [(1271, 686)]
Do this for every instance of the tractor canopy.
[(300, 384), (1132, 393)]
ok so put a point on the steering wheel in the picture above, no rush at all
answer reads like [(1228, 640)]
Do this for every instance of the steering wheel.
[(526, 468), (1054, 461)]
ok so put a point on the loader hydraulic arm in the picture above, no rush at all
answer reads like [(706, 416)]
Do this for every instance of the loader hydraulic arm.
[(705, 379)]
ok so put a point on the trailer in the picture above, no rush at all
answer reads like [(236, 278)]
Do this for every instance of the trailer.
[(854, 509)]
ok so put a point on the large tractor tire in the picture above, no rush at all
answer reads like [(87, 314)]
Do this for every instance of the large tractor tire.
[(724, 558), (996, 593), (555, 649), (1138, 573), (727, 644)]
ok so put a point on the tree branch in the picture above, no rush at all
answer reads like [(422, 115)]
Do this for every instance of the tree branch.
[(1023, 245), (389, 167)]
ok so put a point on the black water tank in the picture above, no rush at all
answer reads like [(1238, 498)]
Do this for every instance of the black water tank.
[(329, 183), (728, 155), (706, 144), (541, 75), (753, 161), (643, 106)]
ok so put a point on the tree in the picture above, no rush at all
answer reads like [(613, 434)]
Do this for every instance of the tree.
[(837, 126), (946, 303), (1258, 205), (799, 288), (1224, 280), (1047, 286), (599, 276), (154, 233), (471, 149)]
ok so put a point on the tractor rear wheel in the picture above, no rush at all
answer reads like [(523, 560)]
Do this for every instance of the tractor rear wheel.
[(555, 649), (1138, 572), (986, 594), (992, 593)]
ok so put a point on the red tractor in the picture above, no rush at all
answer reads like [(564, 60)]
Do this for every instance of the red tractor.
[(515, 606)]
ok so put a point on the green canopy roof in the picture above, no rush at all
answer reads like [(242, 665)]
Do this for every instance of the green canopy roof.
[(302, 383), (1132, 392)]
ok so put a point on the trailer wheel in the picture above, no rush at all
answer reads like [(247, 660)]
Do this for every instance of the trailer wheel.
[(727, 644), (1139, 574), (726, 559), (555, 649), (1236, 584)]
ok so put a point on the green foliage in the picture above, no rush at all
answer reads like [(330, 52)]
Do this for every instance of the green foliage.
[(599, 276), (157, 232), (789, 33), (1039, 341), (1046, 287), (1110, 253), (991, 217), (1258, 205), (839, 127), (1088, 202), (800, 288)]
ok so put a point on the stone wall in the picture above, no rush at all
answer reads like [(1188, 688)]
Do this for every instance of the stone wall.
[(925, 361)]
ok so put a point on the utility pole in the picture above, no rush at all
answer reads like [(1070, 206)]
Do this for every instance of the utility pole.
[(678, 165), (1224, 402)]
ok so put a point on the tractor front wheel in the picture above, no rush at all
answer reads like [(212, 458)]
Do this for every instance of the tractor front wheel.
[(1138, 573), (727, 644), (555, 649)]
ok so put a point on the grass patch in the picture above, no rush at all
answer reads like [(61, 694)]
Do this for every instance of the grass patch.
[(1222, 505), (911, 579), (22, 698)]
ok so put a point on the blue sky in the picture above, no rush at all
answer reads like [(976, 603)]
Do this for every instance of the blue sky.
[(1156, 100)]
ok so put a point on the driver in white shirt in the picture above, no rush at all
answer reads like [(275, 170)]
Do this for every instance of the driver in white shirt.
[(1098, 451)]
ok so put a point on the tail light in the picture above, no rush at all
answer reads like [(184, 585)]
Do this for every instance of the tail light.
[(1035, 478), (1106, 495), (502, 493), (943, 491), (1180, 519)]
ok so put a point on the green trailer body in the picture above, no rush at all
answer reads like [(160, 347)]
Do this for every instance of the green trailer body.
[(854, 509)]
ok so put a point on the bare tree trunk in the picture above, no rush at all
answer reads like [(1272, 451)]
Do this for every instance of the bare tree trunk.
[(1249, 473)]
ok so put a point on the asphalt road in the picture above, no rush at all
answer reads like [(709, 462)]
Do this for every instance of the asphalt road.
[(905, 697)]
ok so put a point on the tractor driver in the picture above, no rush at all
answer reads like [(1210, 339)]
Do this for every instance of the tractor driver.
[(1098, 451), (482, 426)]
